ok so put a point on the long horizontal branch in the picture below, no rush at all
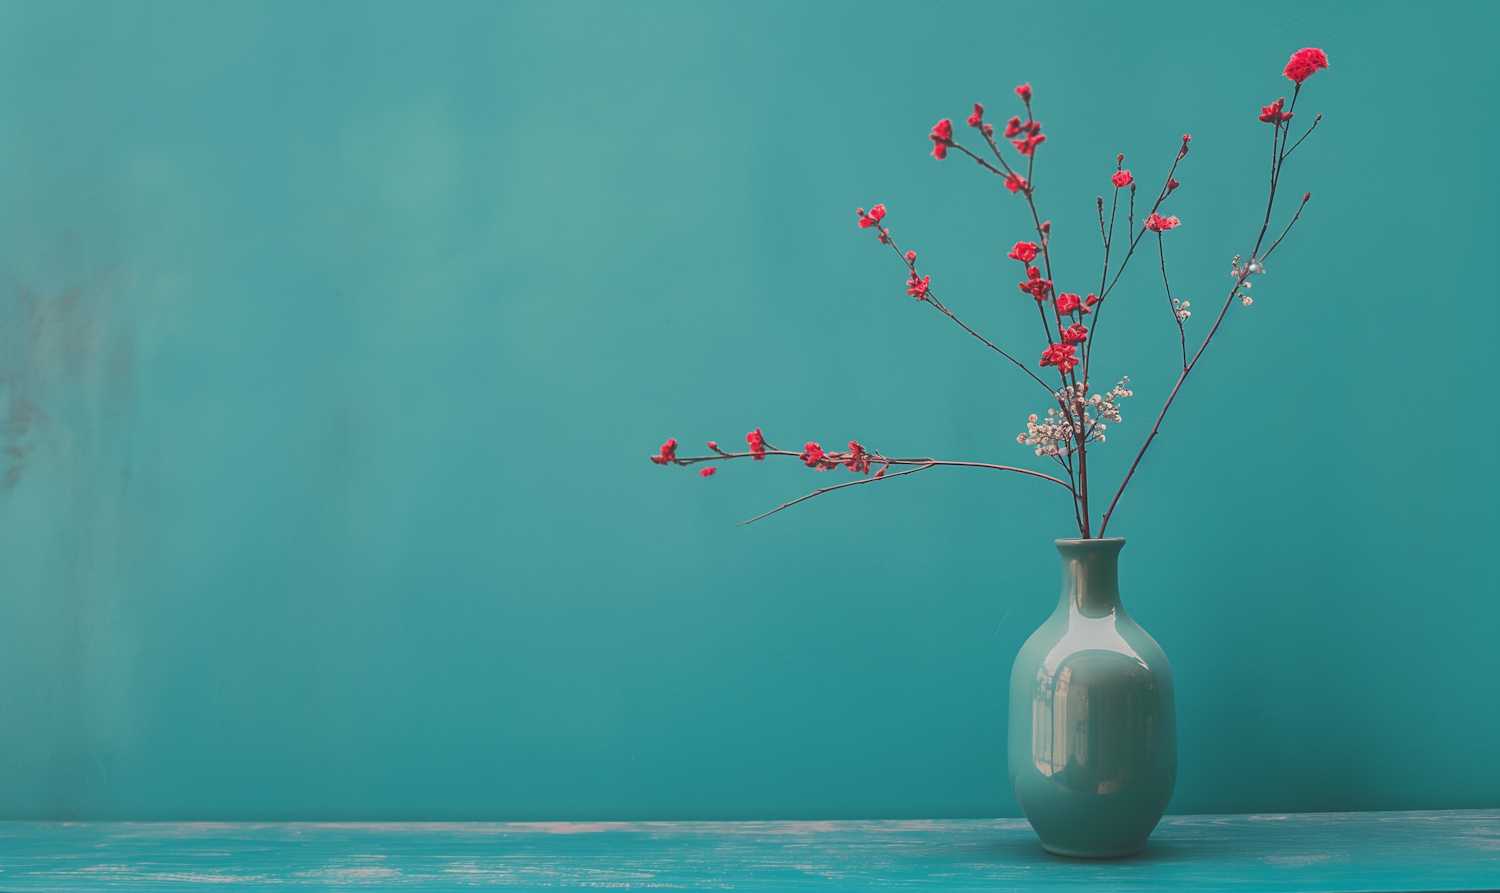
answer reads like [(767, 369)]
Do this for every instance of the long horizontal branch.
[(875, 459)]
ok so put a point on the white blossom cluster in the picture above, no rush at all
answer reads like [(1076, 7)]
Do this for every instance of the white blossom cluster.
[(1243, 274), (1181, 309), (1057, 435), (1253, 268)]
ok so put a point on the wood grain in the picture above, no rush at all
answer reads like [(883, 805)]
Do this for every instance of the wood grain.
[(1451, 850)]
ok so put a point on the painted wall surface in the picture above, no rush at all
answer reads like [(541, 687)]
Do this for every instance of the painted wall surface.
[(334, 338)]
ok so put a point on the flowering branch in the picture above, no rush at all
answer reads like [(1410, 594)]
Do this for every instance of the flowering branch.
[(1079, 418), (1302, 66), (857, 459), (920, 287)]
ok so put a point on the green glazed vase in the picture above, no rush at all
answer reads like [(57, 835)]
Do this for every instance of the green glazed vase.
[(1093, 735)]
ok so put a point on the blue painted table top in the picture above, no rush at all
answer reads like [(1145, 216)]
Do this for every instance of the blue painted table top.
[(1452, 850)]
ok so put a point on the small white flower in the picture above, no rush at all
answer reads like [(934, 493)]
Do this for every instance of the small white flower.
[(1061, 433)]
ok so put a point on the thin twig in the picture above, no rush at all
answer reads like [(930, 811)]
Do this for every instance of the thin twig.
[(788, 505), (1176, 317), (1285, 231), (932, 299)]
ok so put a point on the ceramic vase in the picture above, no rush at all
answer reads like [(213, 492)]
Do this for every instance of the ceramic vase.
[(1093, 734)]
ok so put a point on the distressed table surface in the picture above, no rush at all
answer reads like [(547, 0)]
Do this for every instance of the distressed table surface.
[(1455, 850)]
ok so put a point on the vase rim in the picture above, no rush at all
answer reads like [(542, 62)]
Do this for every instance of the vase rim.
[(1094, 540)]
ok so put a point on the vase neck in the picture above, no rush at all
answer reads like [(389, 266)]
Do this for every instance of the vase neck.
[(1090, 575)]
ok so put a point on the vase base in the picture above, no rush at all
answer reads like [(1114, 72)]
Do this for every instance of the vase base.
[(1094, 854)]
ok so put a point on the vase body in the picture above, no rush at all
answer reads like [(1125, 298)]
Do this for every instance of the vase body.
[(1093, 733)]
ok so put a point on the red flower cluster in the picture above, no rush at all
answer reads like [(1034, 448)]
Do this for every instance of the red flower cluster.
[(1272, 114), (1172, 185), (1035, 285), (917, 286), (1304, 63), (1063, 356), (1077, 333), (668, 453), (871, 219), (1024, 91), (859, 460), (1069, 304), (977, 118), (709, 471), (942, 138), (1015, 183), (1025, 252), (1028, 145), (1157, 223), (814, 457), (1032, 135), (1121, 179), (757, 445)]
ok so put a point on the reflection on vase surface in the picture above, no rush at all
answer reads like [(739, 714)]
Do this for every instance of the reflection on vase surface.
[(1096, 722), (1093, 746)]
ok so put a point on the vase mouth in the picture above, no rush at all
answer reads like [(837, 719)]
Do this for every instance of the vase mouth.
[(1093, 540), (1097, 543)]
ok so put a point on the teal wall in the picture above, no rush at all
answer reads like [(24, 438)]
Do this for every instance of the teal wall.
[(334, 338)]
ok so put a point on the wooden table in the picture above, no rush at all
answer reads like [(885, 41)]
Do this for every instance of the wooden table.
[(1454, 850)]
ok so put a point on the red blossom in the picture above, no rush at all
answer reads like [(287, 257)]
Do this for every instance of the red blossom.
[(1272, 114), (977, 118), (1077, 333), (1172, 185), (1025, 252), (1304, 63), (813, 457), (1063, 356), (911, 257), (668, 453), (709, 471), (712, 445), (1013, 127), (1067, 304), (989, 130), (1015, 183), (1090, 301), (917, 286), (1121, 179), (1035, 285), (757, 445), (942, 138), (1157, 223), (859, 460), (876, 214), (1024, 91), (1028, 145)]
